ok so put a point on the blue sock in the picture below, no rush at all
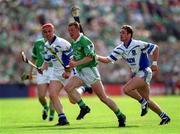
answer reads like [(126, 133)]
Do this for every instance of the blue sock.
[(62, 116), (142, 101), (162, 114)]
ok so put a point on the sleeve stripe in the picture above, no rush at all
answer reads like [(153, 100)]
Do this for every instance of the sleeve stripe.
[(153, 50), (120, 49), (113, 58), (145, 47), (47, 59), (116, 52), (150, 49)]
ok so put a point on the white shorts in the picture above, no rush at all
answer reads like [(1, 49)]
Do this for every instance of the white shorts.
[(57, 75), (88, 75), (45, 77), (146, 74)]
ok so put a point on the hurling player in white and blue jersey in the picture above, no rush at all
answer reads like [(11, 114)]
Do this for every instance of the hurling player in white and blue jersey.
[(136, 54), (56, 80)]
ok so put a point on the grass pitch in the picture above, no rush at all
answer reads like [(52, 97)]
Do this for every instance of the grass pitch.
[(23, 116)]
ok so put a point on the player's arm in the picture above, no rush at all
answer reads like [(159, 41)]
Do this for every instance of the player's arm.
[(33, 60), (74, 63), (31, 69), (153, 51), (45, 66), (47, 59), (154, 57), (103, 59)]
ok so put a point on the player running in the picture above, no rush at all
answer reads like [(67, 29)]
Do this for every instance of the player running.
[(58, 51), (42, 79), (135, 53), (87, 73)]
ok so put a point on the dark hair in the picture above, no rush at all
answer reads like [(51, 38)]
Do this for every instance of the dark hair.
[(128, 28), (76, 24)]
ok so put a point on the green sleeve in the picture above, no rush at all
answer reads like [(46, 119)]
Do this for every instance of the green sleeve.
[(34, 53)]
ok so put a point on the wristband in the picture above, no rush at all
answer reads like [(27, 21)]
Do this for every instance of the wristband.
[(154, 63)]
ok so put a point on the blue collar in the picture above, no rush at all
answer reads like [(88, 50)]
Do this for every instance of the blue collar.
[(54, 38), (126, 46)]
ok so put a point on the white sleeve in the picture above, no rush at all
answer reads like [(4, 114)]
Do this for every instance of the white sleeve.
[(116, 54), (147, 47), (65, 45)]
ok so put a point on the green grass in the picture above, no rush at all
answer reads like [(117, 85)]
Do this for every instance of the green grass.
[(23, 116)]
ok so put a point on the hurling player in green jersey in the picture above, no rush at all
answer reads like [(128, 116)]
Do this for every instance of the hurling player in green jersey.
[(42, 79), (84, 60)]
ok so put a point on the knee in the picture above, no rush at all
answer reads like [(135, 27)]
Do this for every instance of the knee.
[(103, 98), (72, 101), (125, 90), (41, 97), (52, 95)]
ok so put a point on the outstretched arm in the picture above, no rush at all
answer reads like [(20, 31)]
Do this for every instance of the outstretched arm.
[(103, 59), (155, 57)]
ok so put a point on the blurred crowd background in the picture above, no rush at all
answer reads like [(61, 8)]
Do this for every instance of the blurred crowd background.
[(156, 21)]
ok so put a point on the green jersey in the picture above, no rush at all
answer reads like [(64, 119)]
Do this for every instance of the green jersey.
[(38, 52), (83, 47)]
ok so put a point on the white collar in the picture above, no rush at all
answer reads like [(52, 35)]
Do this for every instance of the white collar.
[(78, 38)]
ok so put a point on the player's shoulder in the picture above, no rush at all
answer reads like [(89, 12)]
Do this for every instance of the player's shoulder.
[(138, 42), (85, 39), (119, 45), (62, 43), (40, 40), (61, 40)]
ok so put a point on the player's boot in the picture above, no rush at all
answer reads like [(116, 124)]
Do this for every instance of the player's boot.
[(165, 120), (88, 89), (51, 115), (144, 108), (62, 121), (44, 114), (122, 120), (83, 112)]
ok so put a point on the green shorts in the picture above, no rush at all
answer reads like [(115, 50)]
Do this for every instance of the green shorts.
[(88, 75)]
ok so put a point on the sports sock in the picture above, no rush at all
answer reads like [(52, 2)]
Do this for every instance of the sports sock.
[(80, 89), (52, 112), (142, 101), (162, 114), (45, 106), (62, 116), (81, 103), (118, 113)]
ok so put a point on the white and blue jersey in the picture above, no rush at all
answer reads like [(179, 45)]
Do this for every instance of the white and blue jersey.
[(63, 50), (135, 54)]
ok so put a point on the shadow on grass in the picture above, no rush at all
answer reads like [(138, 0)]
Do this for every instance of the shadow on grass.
[(73, 127)]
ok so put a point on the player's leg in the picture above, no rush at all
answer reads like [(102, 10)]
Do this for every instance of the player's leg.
[(98, 89), (130, 89), (51, 111), (42, 89), (73, 83), (154, 106), (85, 89), (47, 74), (55, 87), (81, 89)]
